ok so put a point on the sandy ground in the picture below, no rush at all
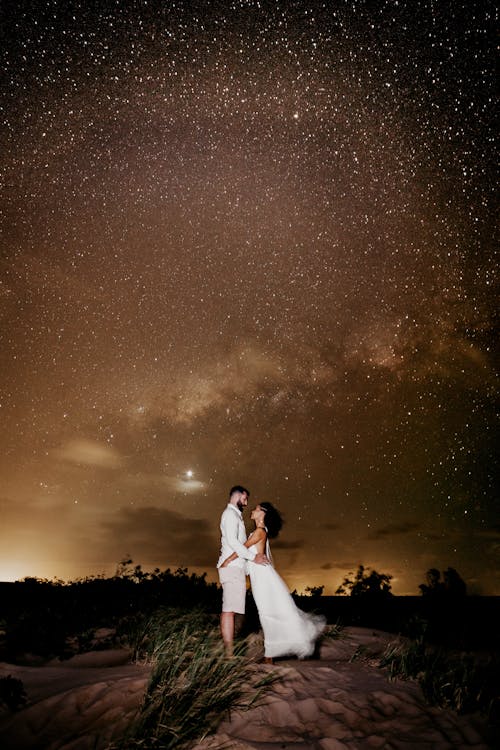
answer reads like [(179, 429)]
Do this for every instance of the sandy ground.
[(79, 704), (329, 703)]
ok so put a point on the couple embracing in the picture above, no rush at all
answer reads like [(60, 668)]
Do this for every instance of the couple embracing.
[(287, 629)]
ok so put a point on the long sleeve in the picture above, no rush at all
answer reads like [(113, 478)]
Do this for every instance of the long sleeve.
[(233, 537), (234, 542)]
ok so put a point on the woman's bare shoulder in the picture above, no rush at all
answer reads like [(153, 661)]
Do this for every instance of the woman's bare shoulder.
[(257, 535)]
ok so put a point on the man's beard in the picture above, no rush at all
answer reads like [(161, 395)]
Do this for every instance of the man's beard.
[(240, 505)]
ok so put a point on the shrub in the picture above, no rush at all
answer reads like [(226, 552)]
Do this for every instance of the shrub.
[(12, 693)]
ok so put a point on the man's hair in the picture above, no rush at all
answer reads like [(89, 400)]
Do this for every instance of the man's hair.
[(238, 488)]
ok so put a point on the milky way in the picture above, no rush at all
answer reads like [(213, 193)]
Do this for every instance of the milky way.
[(249, 242)]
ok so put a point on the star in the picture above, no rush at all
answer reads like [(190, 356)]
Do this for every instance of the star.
[(262, 245)]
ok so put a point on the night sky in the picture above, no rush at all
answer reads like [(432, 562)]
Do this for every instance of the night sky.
[(248, 242)]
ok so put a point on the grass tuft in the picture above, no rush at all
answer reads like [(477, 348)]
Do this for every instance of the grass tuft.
[(455, 681), (192, 685), (334, 631)]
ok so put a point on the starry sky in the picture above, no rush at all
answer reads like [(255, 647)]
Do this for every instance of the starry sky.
[(248, 242)]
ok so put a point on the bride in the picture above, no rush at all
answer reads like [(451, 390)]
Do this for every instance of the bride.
[(287, 629)]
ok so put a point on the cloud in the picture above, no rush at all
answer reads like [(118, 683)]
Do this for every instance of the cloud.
[(394, 529), (157, 482), (280, 544), (491, 551), (90, 453), (341, 566), (490, 533), (435, 537), (185, 484), (160, 536)]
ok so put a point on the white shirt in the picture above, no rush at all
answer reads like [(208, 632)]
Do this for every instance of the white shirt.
[(233, 537)]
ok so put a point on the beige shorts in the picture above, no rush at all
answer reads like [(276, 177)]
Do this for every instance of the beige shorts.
[(234, 587)]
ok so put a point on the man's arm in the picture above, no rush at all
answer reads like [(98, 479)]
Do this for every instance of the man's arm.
[(259, 558), (231, 529)]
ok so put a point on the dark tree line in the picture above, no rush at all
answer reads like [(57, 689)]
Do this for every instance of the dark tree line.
[(451, 584), (42, 616), (366, 582)]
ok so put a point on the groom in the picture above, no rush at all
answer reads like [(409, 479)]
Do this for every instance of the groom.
[(233, 576)]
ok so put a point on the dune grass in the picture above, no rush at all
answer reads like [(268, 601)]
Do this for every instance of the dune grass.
[(192, 685), (457, 681), (334, 631)]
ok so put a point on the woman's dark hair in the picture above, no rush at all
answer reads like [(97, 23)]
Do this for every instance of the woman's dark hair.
[(272, 519)]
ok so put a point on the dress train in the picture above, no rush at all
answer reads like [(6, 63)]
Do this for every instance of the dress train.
[(287, 629)]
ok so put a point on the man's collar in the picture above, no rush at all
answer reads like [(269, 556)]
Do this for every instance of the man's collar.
[(235, 507)]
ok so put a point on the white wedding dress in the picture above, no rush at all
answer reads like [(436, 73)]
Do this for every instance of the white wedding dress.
[(287, 629)]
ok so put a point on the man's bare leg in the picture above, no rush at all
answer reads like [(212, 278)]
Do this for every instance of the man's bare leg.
[(227, 630)]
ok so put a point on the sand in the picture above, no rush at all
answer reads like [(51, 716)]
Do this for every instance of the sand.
[(330, 703), (79, 704)]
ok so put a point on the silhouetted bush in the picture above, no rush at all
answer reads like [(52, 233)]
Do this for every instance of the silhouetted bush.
[(365, 583), (12, 693), (451, 585), (46, 618)]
